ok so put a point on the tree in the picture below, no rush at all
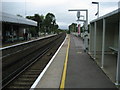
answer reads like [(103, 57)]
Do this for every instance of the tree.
[(45, 24), (19, 15), (49, 22), (72, 27), (39, 19)]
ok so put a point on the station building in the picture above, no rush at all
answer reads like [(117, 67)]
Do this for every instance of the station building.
[(15, 27), (104, 44)]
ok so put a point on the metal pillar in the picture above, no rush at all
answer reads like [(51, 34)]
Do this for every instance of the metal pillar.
[(90, 39), (98, 11), (95, 40), (103, 44), (97, 8), (86, 32), (1, 46), (12, 34), (118, 60)]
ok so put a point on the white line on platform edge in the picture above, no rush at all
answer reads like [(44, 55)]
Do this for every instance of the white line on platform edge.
[(26, 42), (45, 69)]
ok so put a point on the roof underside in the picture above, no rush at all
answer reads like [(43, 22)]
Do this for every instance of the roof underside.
[(16, 19)]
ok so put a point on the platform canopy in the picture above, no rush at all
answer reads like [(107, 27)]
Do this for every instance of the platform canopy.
[(115, 12), (105, 43), (9, 18)]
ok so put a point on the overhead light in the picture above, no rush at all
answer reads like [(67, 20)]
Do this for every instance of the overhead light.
[(94, 2)]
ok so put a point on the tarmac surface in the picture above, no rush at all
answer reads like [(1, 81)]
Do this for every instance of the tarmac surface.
[(81, 70), (52, 77)]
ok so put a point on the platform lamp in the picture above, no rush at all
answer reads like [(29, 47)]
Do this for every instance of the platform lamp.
[(25, 8), (97, 8), (86, 25)]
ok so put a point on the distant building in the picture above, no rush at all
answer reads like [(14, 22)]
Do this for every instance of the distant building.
[(14, 27)]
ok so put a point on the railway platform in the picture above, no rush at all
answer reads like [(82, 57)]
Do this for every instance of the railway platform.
[(71, 67), (24, 41)]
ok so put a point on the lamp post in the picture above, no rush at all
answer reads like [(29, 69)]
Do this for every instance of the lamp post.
[(97, 8), (86, 25), (25, 8)]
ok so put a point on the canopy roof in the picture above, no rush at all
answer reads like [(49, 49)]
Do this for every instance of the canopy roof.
[(115, 13), (5, 17)]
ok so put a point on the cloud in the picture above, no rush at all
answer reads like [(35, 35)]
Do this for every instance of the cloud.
[(59, 8), (47, 2), (104, 1), (13, 0), (63, 25), (104, 11)]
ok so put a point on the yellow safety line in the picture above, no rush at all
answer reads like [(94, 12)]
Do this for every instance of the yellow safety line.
[(62, 85)]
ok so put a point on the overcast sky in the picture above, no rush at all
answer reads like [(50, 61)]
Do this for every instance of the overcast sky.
[(59, 8)]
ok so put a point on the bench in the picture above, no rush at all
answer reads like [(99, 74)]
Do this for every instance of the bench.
[(115, 50)]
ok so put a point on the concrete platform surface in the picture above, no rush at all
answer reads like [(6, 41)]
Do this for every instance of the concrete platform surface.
[(52, 76), (16, 43), (82, 71)]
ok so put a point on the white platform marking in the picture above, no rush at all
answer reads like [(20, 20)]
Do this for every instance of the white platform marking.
[(45, 69)]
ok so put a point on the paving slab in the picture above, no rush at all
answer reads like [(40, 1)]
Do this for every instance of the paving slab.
[(52, 77), (82, 71)]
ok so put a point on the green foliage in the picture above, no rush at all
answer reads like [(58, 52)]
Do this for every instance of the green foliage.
[(33, 31), (39, 19), (81, 28), (72, 27), (46, 24), (19, 15), (50, 22)]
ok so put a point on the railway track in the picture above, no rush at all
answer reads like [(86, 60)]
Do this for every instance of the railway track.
[(31, 66)]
